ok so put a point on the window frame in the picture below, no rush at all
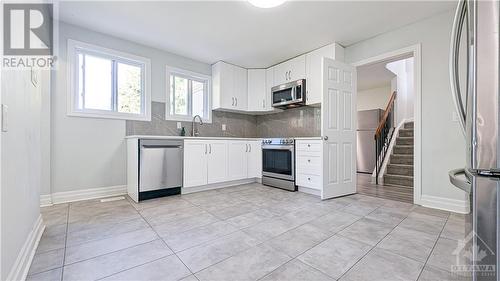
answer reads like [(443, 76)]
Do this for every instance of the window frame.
[(207, 97), (77, 47)]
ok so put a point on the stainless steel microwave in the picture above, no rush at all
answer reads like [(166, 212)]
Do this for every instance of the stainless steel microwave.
[(289, 95)]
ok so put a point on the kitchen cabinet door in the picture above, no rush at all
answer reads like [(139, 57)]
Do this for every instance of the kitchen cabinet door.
[(297, 68), (240, 88), (254, 159), (195, 163), (257, 90), (313, 72), (290, 70), (223, 77), (217, 161), (237, 160), (269, 85)]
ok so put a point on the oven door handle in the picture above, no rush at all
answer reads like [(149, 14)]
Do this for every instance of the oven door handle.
[(278, 147)]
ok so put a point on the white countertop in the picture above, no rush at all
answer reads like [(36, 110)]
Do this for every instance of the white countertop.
[(308, 138), (186, 138), (204, 138)]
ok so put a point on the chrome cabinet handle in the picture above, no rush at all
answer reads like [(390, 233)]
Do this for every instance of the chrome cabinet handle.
[(233, 101), (210, 145), (206, 148), (309, 160), (458, 22), (246, 147), (236, 103), (308, 145)]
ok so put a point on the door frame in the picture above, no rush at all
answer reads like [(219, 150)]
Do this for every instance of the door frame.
[(416, 51)]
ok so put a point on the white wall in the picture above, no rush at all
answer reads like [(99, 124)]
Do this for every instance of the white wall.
[(403, 69), (21, 164), (443, 145), (91, 153), (374, 98)]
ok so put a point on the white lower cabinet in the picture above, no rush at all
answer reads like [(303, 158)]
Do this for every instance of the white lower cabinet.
[(217, 161), (238, 160), (195, 163), (308, 167), (254, 159)]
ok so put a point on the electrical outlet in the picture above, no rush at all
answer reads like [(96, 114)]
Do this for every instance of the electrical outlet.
[(223, 127), (4, 112), (179, 125)]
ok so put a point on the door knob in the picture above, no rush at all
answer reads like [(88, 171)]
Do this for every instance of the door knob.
[(325, 137)]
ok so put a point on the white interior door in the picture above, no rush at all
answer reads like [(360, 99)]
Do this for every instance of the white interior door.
[(338, 119)]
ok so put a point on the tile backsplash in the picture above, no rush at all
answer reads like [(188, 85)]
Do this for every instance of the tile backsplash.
[(298, 122)]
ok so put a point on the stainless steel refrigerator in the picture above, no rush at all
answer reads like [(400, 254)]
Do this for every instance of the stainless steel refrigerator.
[(368, 121), (478, 109)]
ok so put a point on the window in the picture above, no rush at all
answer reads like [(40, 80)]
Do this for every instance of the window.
[(187, 95), (107, 84)]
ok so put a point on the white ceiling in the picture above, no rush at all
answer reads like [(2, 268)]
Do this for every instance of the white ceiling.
[(239, 33), (374, 76)]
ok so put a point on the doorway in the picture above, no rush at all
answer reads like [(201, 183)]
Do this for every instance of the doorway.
[(388, 132)]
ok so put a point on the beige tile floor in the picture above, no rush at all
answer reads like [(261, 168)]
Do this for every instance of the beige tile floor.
[(247, 232)]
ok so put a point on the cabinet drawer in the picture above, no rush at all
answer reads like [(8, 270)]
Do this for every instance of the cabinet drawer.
[(310, 181), (309, 146), (309, 165)]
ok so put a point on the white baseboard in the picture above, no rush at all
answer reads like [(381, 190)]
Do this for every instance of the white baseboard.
[(46, 200), (452, 205), (187, 190), (86, 194), (23, 261), (311, 191)]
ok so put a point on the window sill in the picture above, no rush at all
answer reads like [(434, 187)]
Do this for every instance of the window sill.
[(113, 115)]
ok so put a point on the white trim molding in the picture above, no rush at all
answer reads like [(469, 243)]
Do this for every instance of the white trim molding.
[(452, 205), (416, 51), (22, 265), (86, 194), (46, 200)]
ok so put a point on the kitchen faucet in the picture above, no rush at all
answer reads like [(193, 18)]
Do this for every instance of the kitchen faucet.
[(194, 132)]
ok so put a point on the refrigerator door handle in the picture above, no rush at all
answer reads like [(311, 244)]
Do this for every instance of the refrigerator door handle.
[(456, 32), (464, 185)]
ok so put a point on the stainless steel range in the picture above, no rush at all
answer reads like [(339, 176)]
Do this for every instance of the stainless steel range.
[(278, 163)]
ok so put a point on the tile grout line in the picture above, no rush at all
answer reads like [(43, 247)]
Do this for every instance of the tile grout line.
[(65, 242), (434, 246), (375, 246)]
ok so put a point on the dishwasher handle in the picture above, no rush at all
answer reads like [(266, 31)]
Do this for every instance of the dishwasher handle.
[(160, 146)]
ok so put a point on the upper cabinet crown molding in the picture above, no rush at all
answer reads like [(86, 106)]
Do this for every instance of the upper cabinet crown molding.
[(249, 90)]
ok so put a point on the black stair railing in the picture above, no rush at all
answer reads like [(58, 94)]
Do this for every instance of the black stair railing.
[(383, 135)]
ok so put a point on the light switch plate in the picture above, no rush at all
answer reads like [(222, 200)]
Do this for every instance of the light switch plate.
[(4, 112), (179, 125), (223, 127)]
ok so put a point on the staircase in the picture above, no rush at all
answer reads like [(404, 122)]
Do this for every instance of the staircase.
[(400, 168)]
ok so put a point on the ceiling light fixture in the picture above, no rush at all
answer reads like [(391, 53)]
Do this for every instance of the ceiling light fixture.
[(266, 3)]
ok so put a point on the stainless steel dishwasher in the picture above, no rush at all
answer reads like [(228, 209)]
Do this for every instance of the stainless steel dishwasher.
[(160, 168)]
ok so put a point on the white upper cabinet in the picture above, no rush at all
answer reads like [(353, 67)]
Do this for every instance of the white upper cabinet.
[(229, 87), (240, 88), (269, 85), (290, 70), (313, 70), (257, 93)]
